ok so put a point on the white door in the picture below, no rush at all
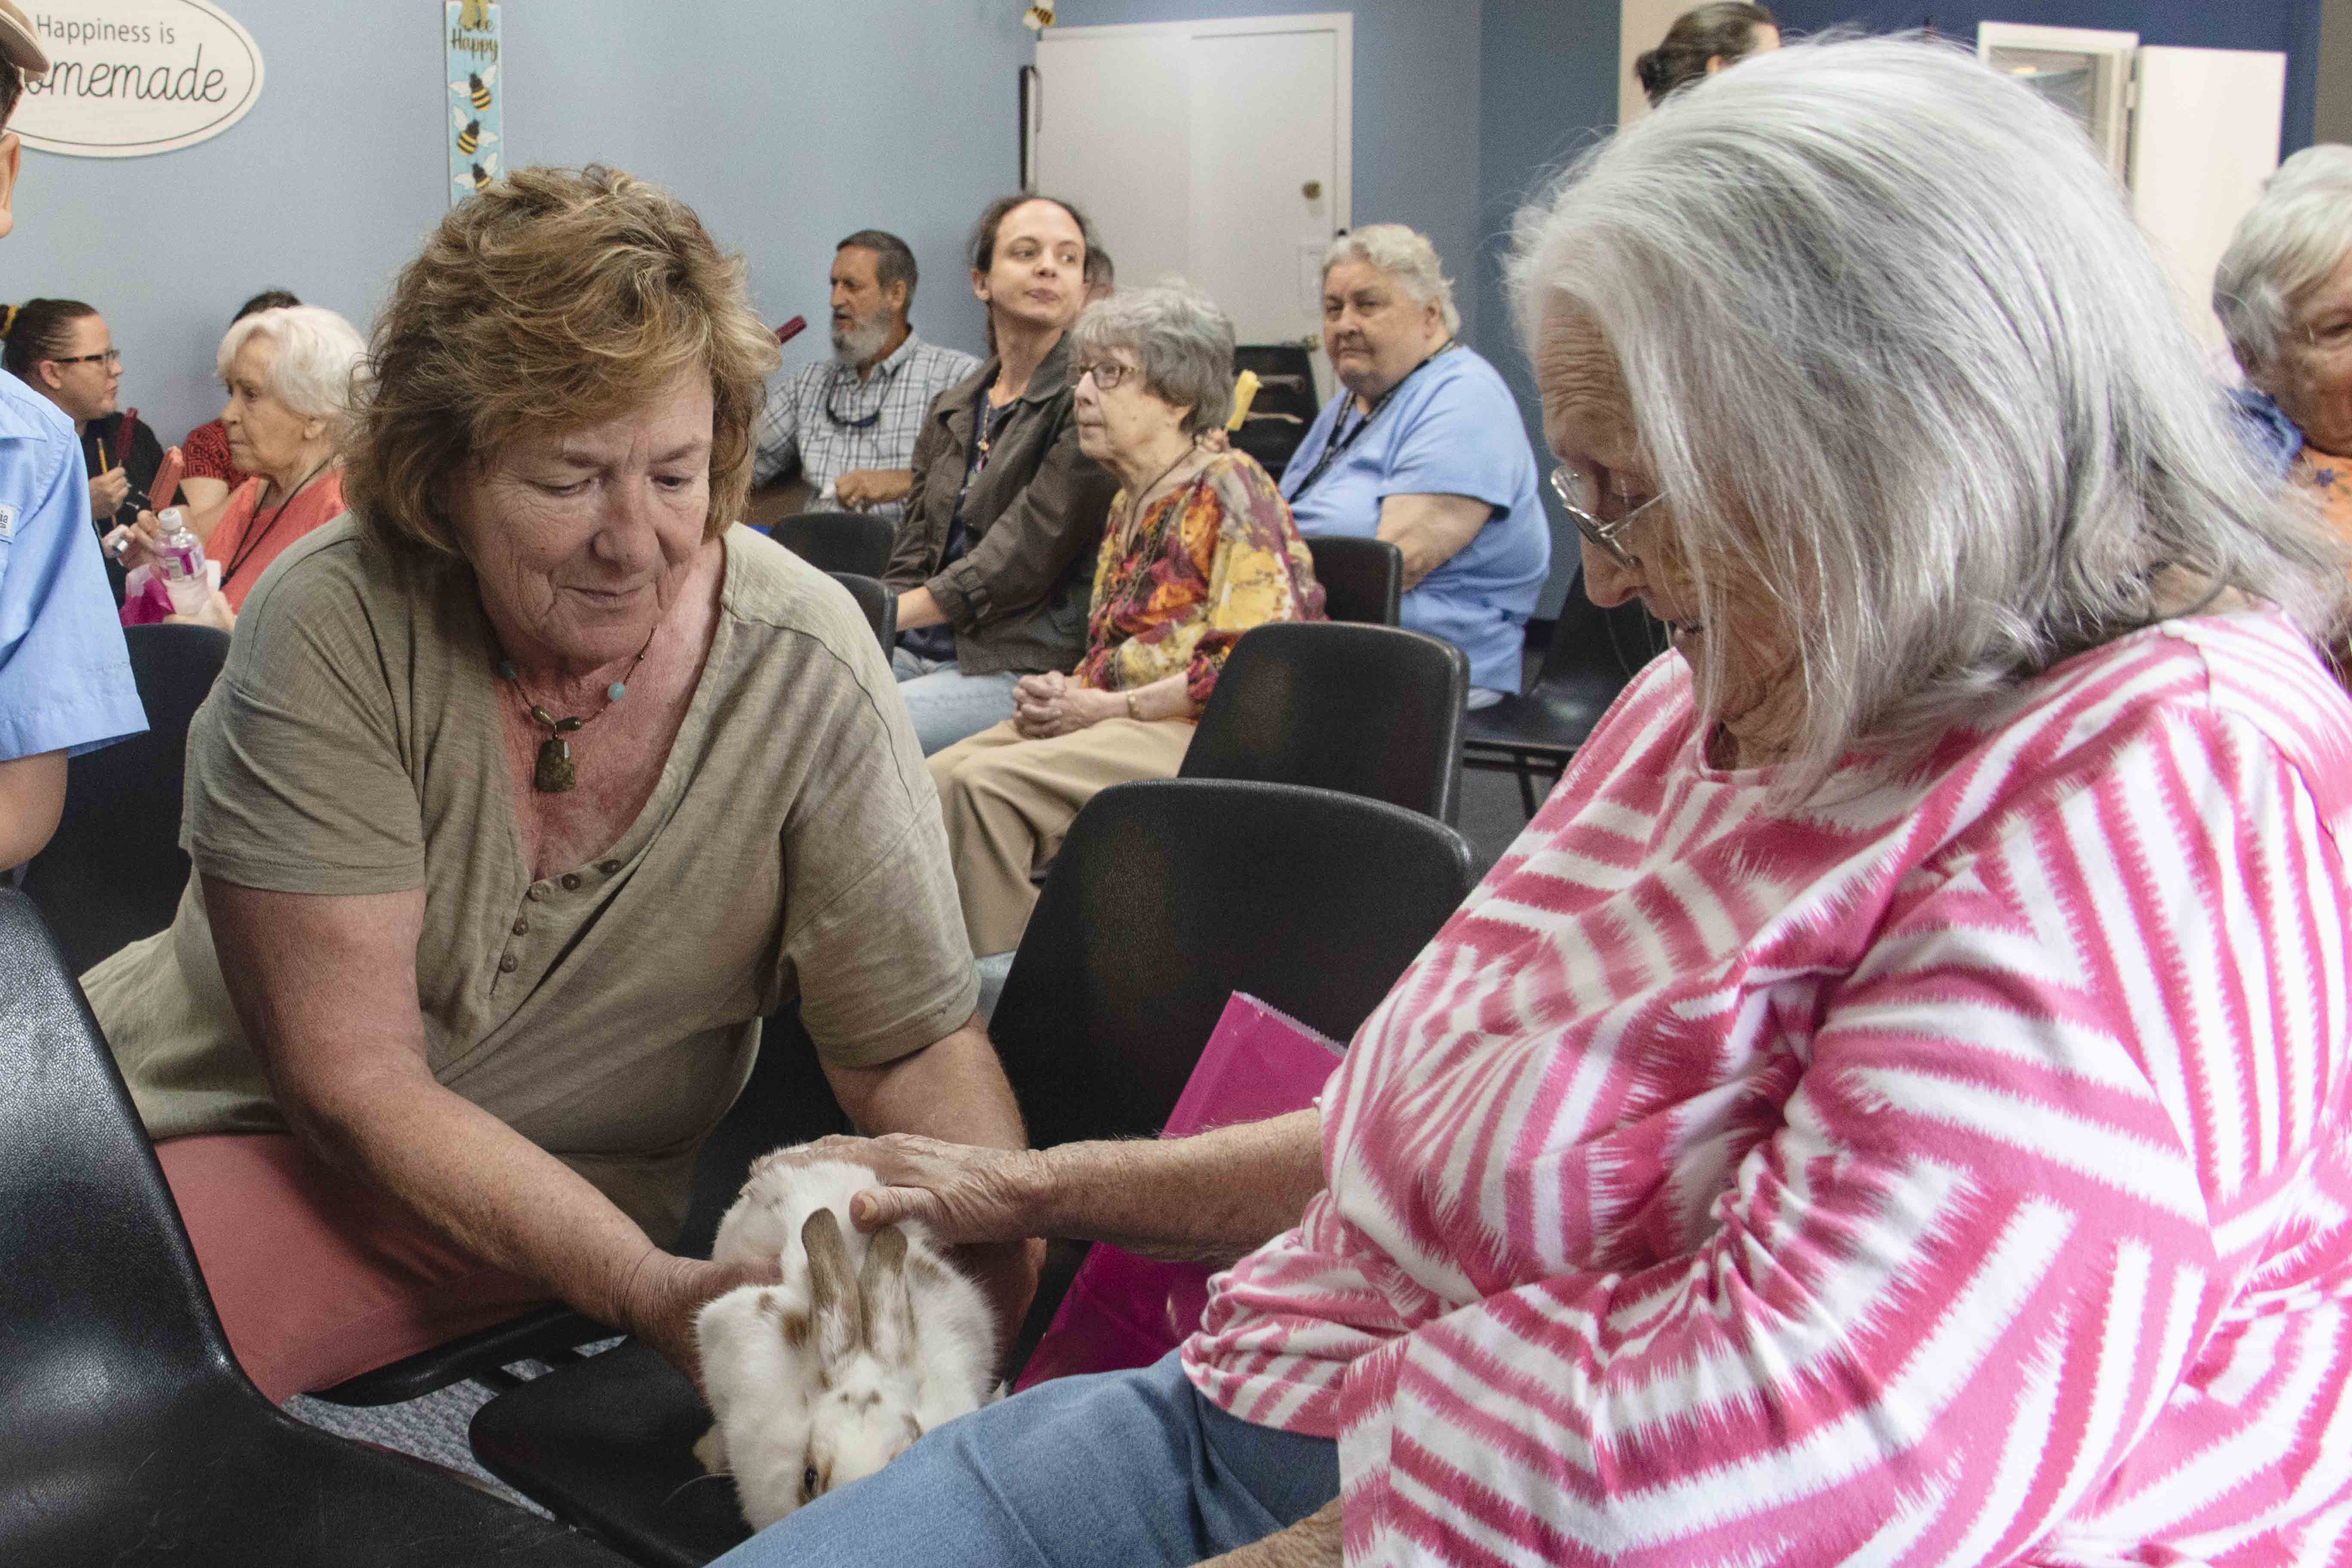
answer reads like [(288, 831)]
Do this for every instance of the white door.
[(1215, 150), (2084, 71), (2204, 137)]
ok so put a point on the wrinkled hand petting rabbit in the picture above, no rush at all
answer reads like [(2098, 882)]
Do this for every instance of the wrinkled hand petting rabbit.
[(867, 1343)]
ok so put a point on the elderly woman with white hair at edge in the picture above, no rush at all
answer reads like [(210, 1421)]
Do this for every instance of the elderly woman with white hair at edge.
[(1889, 1105), (1424, 447), (288, 373), (2283, 291)]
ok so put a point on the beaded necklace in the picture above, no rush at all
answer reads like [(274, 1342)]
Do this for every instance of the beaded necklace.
[(552, 771)]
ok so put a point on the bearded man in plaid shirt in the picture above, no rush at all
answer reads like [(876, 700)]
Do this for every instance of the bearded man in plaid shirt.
[(847, 424)]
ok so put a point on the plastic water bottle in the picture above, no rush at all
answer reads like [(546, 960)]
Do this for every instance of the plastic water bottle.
[(180, 562)]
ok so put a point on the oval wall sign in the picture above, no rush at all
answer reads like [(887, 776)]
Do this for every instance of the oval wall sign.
[(131, 77)]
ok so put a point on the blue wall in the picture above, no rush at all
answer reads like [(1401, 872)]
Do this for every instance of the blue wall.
[(2287, 26), (1548, 88), (787, 126)]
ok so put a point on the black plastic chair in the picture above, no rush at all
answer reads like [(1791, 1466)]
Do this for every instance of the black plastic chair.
[(1367, 710), (1363, 579), (132, 1437), (1286, 403), (837, 541), (115, 871), (1593, 654), (880, 605), (1168, 897)]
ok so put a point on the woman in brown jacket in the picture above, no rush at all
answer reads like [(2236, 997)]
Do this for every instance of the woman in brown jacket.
[(997, 545)]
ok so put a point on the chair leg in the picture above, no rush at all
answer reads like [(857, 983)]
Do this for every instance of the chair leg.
[(1527, 786)]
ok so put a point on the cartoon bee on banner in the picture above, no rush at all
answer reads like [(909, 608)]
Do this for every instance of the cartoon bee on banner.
[(476, 112)]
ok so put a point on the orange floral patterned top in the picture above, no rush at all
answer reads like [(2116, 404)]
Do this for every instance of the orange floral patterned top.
[(1200, 567), (2329, 481)]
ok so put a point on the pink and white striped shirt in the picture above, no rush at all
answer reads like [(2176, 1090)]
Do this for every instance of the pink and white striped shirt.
[(1954, 1174)]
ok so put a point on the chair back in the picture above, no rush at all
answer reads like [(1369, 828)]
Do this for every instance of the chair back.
[(1367, 710), (1170, 895), (1285, 403), (114, 871), (880, 605), (837, 541), (1595, 652), (101, 1306), (1363, 579)]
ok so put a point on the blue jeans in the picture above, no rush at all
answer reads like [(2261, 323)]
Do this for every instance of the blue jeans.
[(1132, 1467), (947, 704)]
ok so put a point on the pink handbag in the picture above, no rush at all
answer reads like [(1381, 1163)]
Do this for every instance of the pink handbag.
[(1123, 1310)]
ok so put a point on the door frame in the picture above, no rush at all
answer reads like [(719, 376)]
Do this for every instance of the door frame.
[(1343, 96)]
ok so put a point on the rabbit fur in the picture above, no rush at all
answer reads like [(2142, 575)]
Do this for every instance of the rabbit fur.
[(867, 1343)]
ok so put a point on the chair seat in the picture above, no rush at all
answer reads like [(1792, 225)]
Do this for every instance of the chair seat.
[(538, 1335), (224, 1478), (623, 1469)]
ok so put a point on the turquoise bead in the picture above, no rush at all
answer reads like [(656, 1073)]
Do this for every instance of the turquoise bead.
[(616, 691), (506, 669)]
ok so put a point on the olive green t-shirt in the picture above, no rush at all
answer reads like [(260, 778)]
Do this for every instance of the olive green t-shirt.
[(610, 1013)]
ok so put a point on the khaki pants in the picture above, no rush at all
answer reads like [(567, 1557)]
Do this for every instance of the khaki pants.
[(1009, 803)]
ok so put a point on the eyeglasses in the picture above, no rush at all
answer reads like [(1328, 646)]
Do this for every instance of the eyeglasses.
[(842, 421), (1568, 484), (1108, 374), (112, 358)]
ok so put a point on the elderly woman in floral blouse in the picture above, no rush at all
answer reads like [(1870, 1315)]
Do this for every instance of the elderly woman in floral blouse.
[(1198, 549)]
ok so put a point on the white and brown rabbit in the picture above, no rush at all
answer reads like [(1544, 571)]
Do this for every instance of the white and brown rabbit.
[(868, 1344)]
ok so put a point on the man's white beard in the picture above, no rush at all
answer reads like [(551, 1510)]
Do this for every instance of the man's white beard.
[(863, 339)]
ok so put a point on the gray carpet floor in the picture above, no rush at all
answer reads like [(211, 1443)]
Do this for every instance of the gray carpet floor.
[(433, 1427)]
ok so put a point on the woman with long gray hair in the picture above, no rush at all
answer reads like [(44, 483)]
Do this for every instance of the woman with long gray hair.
[(1887, 1107)]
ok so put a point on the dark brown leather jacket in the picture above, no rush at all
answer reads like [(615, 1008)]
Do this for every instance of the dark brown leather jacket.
[(1018, 597)]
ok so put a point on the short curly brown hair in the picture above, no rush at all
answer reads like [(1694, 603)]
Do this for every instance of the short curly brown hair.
[(552, 299)]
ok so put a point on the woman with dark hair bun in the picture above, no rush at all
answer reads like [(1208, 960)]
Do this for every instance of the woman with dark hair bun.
[(1702, 42), (62, 349)]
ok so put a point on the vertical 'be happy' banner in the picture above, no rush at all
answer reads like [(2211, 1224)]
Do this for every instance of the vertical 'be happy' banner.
[(470, 29)]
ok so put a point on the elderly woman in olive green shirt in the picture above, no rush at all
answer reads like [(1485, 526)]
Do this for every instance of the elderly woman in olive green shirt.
[(527, 790)]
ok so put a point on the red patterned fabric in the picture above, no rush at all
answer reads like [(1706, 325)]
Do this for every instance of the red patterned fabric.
[(204, 449), (1953, 1172)]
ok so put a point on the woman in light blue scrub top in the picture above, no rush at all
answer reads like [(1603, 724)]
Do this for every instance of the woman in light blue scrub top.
[(1424, 447)]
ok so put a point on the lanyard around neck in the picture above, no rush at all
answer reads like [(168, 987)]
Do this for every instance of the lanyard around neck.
[(1338, 444)]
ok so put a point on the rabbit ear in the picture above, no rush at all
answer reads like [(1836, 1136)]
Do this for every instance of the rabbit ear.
[(889, 1308), (834, 1300)]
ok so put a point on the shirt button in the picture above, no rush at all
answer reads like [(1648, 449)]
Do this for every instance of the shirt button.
[(608, 867), (509, 964), (571, 880), (535, 893), (521, 926)]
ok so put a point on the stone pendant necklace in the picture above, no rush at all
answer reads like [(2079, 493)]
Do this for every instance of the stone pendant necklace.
[(552, 773)]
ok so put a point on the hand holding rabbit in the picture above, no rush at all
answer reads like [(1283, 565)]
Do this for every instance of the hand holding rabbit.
[(962, 1192), (865, 1345), (665, 1293)]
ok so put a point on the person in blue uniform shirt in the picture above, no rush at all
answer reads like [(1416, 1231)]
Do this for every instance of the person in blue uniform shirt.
[(65, 676), (1424, 447)]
